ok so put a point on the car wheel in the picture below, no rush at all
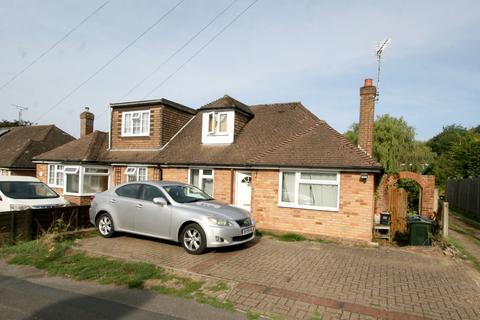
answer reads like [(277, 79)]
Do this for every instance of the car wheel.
[(193, 239), (105, 225)]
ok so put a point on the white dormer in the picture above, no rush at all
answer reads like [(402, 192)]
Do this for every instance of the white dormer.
[(218, 126)]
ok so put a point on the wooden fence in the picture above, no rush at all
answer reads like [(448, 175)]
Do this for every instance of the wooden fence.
[(28, 224), (464, 195)]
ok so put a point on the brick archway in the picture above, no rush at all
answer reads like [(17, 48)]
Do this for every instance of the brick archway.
[(426, 182)]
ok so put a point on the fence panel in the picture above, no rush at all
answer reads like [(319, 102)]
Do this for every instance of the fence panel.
[(464, 195), (28, 224)]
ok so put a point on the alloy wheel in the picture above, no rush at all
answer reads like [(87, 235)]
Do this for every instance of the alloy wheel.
[(192, 239)]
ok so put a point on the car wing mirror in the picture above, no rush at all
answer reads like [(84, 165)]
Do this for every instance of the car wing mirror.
[(160, 201)]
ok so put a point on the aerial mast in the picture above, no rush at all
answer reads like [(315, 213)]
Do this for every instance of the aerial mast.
[(20, 110), (379, 51)]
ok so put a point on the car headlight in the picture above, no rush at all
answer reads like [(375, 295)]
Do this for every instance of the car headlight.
[(19, 207), (220, 222)]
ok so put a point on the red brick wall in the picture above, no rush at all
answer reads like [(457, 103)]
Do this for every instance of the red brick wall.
[(222, 185), (367, 117), (175, 174), (153, 141), (354, 220)]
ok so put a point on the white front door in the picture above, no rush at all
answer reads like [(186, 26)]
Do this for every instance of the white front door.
[(243, 190)]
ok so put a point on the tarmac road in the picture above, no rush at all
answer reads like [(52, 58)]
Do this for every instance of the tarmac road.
[(28, 293)]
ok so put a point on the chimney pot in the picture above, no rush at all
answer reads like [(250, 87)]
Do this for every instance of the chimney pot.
[(368, 82)]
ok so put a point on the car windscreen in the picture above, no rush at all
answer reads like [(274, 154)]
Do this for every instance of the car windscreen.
[(27, 190), (186, 194)]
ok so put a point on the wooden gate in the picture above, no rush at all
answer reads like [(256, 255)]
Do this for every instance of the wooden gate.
[(398, 202)]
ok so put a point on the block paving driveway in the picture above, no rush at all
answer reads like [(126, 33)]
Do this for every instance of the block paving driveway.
[(309, 280)]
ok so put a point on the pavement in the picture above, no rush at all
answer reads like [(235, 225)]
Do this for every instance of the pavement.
[(29, 293), (310, 280)]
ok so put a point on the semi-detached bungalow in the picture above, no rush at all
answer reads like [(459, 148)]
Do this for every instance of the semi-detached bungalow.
[(292, 170)]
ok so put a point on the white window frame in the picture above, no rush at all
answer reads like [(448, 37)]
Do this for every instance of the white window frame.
[(298, 180), (81, 171), (55, 170), (144, 132), (201, 176), (216, 125), (135, 171)]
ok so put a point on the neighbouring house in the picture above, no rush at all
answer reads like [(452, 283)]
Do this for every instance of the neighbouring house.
[(19, 145), (292, 170)]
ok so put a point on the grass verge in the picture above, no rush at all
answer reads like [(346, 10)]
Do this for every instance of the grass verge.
[(465, 253), (288, 237), (56, 257)]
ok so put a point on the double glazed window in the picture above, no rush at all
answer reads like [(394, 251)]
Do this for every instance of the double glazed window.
[(309, 190), (136, 174), (55, 175), (136, 123), (202, 179), (85, 180), (217, 123)]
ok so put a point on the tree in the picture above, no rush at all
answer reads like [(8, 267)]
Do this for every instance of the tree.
[(394, 145), (14, 123), (443, 142)]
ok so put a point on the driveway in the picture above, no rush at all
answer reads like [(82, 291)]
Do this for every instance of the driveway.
[(309, 280)]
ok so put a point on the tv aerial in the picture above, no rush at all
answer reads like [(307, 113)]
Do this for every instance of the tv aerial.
[(380, 48), (20, 110)]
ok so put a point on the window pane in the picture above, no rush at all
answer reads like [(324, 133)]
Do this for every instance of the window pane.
[(136, 126), (318, 176), (93, 184), (207, 186), (59, 177), (211, 122), (288, 187), (96, 170), (145, 122), (51, 174), (207, 172), (130, 191), (223, 123), (194, 177), (318, 195), (142, 174), (131, 177), (150, 192), (128, 123), (72, 184)]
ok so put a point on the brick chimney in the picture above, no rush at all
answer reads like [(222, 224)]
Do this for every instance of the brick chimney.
[(367, 116), (86, 122)]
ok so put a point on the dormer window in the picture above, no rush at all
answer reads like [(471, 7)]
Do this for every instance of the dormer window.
[(218, 126), (217, 123), (136, 123)]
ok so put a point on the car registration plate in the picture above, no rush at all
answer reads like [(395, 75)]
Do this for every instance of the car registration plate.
[(248, 230)]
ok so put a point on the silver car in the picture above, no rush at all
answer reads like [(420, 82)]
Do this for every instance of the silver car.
[(173, 211)]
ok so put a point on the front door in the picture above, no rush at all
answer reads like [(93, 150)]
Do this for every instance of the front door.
[(243, 190)]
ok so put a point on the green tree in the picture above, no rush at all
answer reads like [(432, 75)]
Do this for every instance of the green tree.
[(395, 146)]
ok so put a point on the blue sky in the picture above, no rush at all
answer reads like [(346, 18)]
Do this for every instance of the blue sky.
[(316, 52)]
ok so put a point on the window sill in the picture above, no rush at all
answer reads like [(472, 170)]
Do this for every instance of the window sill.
[(294, 206), (134, 135)]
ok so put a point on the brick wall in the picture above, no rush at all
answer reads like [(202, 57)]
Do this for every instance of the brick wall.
[(222, 185), (175, 174), (367, 116), (354, 220), (153, 141), (172, 120), (120, 177)]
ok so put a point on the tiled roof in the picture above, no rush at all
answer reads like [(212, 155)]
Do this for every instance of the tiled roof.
[(277, 135), (20, 144), (227, 102), (286, 135)]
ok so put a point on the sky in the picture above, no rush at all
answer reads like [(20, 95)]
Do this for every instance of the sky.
[(316, 52)]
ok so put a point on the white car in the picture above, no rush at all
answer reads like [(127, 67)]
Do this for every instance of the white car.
[(21, 193)]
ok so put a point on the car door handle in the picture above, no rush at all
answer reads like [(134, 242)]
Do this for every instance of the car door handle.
[(139, 205), (113, 200)]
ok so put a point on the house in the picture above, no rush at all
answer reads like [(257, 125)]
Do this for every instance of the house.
[(20, 144), (290, 169)]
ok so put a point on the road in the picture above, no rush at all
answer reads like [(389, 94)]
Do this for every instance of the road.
[(28, 293)]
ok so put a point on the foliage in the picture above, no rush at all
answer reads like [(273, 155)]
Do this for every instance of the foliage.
[(413, 190), (14, 123), (395, 146), (458, 153)]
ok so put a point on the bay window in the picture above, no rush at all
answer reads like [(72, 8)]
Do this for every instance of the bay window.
[(202, 179), (136, 174), (136, 123), (309, 190), (86, 180), (55, 175)]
